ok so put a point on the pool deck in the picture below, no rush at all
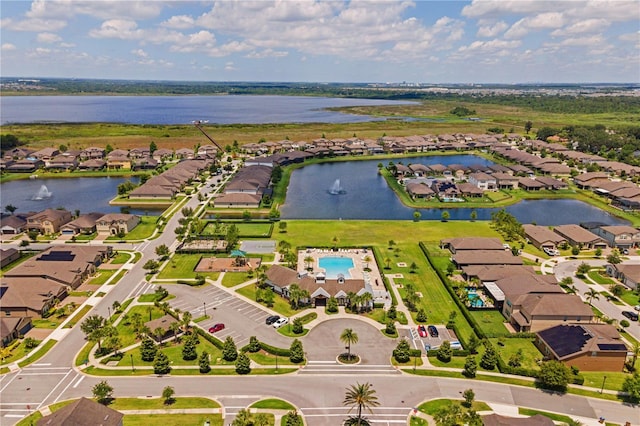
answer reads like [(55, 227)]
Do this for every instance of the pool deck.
[(357, 272)]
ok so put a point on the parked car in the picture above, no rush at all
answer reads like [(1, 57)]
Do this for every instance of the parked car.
[(433, 331), (279, 323), (422, 331), (271, 319), (633, 316), (551, 252), (216, 327), (637, 307)]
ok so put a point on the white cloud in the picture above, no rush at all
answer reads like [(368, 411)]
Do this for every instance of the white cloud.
[(492, 30), (179, 22), (35, 25), (103, 9), (586, 26), (48, 38), (140, 53), (490, 46), (8, 46), (538, 22), (267, 53), (118, 28), (229, 66)]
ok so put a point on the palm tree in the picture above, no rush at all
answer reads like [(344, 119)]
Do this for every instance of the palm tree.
[(361, 396), (366, 260), (349, 337), (365, 298), (308, 260), (174, 327), (592, 294), (186, 321), (635, 351)]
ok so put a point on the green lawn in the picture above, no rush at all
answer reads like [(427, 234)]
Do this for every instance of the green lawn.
[(143, 230), (102, 276), (127, 336), (78, 316), (273, 404), (158, 403), (491, 322), (39, 354), (630, 297), (174, 353), (48, 323), (172, 419), (18, 351), (613, 381), (182, 266), (265, 358), (433, 406), (232, 279), (120, 258), (280, 304), (245, 229), (599, 277), (511, 346)]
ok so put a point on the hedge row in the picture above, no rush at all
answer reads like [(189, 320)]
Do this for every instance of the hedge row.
[(214, 341), (273, 350)]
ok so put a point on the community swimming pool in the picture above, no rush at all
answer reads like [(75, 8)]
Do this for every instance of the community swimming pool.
[(334, 266)]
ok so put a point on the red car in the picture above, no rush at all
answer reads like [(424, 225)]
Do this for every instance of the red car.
[(216, 327), (422, 331)]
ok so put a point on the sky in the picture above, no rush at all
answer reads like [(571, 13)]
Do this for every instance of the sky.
[(479, 41)]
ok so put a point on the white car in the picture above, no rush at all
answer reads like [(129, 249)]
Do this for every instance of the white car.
[(551, 252), (280, 322)]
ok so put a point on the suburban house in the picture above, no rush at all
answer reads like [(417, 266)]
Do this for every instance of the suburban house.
[(588, 347), (30, 297), (619, 236), (419, 190), (471, 243), (237, 199), (92, 153), (529, 184), (48, 221), (627, 274), (491, 273), (280, 279), (484, 257), (68, 264), (542, 237), (580, 237), (12, 328), (470, 190), (508, 288), (505, 180), (8, 255), (483, 181), (589, 179), (83, 224), (116, 223), (537, 311), (84, 411), (12, 224), (251, 180)]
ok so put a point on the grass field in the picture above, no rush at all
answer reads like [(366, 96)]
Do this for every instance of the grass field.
[(102, 276), (245, 229), (174, 353), (182, 266), (143, 230), (232, 279)]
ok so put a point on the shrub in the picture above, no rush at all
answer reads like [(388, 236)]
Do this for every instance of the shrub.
[(243, 364), (296, 352), (254, 344), (445, 352), (401, 352)]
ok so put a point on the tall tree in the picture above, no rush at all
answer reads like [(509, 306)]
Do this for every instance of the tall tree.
[(349, 337), (592, 294), (361, 396), (102, 392)]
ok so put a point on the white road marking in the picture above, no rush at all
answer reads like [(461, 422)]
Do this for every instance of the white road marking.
[(78, 382), (66, 387), (53, 390)]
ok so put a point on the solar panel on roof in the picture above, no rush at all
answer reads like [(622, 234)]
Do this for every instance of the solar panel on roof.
[(612, 346), (565, 340), (58, 256)]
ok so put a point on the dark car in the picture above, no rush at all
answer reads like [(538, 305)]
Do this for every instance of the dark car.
[(433, 331), (271, 319), (216, 327), (422, 331), (633, 316)]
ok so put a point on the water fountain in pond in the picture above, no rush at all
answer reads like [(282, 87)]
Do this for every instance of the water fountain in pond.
[(42, 193), (336, 188)]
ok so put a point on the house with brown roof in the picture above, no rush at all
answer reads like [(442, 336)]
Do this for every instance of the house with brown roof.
[(471, 243), (320, 288), (92, 153), (12, 224), (470, 190), (62, 162), (492, 273), (29, 296), (11, 328), (238, 199), (536, 311), (69, 264), (551, 183), (45, 154), (589, 179), (484, 181), (627, 273), (505, 180), (117, 223), (529, 184), (164, 322), (84, 411), (48, 221), (83, 224), (588, 347), (419, 190), (92, 164), (619, 236), (542, 237), (485, 257), (8, 255), (580, 237)]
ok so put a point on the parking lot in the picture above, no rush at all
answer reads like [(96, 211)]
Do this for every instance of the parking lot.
[(241, 318), (433, 342)]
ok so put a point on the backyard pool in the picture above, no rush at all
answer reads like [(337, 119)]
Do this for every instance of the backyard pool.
[(474, 299), (334, 266)]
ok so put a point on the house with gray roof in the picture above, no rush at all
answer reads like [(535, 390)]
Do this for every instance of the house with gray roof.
[(619, 236)]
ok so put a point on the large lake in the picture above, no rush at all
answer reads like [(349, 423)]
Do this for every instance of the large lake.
[(366, 195), (224, 109), (85, 194)]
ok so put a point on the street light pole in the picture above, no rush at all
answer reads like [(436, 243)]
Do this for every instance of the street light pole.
[(109, 310), (276, 362), (132, 369), (604, 378), (204, 308)]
